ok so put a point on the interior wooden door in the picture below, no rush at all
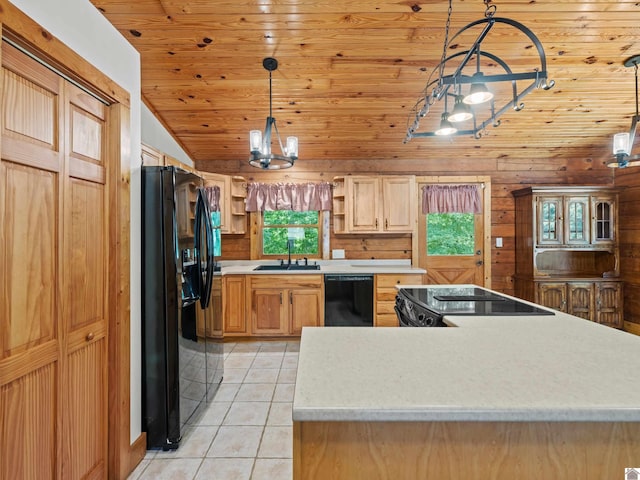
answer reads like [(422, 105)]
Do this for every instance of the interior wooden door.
[(53, 404), (84, 303), (469, 266), (32, 176)]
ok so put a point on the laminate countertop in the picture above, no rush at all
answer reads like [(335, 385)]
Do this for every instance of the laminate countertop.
[(520, 368)]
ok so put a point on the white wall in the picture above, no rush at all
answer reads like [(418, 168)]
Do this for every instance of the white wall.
[(79, 25), (155, 135)]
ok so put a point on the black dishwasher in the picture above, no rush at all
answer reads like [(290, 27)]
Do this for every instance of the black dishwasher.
[(348, 300)]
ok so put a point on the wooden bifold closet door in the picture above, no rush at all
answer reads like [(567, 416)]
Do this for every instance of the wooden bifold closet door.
[(53, 276)]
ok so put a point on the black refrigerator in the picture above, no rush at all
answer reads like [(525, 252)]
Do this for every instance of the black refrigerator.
[(181, 370)]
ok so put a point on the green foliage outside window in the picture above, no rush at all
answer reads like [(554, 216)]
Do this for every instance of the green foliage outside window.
[(450, 234), (279, 226)]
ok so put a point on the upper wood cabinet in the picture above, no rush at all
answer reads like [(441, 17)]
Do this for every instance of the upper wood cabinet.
[(232, 201), (575, 219), (374, 204)]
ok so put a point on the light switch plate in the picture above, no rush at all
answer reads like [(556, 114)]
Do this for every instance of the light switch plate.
[(337, 253), (498, 242)]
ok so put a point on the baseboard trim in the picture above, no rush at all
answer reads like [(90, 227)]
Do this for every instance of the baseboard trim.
[(137, 451), (632, 328)]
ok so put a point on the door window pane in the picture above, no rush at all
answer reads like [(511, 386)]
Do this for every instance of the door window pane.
[(450, 234)]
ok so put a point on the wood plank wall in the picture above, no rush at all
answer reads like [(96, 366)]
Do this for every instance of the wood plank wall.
[(506, 175), (629, 181)]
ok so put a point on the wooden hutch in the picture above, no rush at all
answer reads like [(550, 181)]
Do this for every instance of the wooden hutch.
[(567, 254)]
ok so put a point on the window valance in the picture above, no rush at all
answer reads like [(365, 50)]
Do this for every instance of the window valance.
[(451, 199), (212, 194), (299, 197)]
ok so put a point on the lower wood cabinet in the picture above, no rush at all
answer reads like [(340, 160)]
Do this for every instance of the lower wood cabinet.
[(234, 305), (385, 296), (598, 301), (282, 305), (209, 321)]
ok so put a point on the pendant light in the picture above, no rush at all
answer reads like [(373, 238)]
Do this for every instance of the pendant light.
[(260, 143)]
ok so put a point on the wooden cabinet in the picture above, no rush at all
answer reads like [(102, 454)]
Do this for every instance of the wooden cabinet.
[(233, 194), (209, 321), (567, 254), (186, 201), (598, 301), (234, 305), (382, 204), (151, 157), (283, 304), (385, 296)]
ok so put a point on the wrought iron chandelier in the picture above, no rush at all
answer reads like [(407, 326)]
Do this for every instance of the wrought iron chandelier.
[(458, 80), (260, 144), (623, 142)]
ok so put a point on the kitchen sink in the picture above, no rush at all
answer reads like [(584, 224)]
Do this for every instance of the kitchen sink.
[(283, 267)]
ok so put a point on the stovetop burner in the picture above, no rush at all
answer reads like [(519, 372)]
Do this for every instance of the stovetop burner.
[(467, 300)]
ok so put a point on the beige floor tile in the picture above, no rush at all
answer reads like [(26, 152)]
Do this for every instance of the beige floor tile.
[(135, 475), (284, 392), (236, 441), (247, 347), (238, 360), (293, 346), (267, 361), (277, 442), (171, 469), (261, 375), (214, 414), (273, 347), (247, 413), (226, 392), (280, 414), (228, 347), (255, 392), (195, 443), (290, 361), (225, 469), (234, 375), (287, 375), (272, 469)]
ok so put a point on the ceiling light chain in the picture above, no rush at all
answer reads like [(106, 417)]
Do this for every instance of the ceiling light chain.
[(468, 107)]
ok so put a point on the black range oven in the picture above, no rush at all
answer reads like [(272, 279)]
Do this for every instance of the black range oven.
[(426, 306)]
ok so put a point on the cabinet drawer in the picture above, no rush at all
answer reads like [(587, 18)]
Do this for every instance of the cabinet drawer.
[(286, 281), (387, 320), (387, 280), (385, 308)]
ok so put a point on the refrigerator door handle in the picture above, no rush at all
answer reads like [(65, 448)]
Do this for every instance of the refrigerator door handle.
[(204, 246)]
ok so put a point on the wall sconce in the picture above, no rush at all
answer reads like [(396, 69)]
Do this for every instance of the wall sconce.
[(623, 142)]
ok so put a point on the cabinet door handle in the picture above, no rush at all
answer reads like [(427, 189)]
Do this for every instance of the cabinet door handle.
[(290, 298), (280, 298), (386, 224), (376, 223), (89, 336)]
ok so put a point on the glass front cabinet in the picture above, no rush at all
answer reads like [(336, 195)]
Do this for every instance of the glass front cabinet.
[(567, 254)]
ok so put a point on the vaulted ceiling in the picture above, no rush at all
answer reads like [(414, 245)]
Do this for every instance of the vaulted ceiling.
[(350, 73)]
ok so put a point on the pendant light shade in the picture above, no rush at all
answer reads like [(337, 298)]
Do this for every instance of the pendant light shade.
[(478, 91), (460, 112), (445, 126)]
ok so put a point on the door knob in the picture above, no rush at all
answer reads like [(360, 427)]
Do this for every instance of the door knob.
[(89, 336), (479, 263)]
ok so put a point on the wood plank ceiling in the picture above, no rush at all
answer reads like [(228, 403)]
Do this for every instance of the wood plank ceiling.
[(351, 71)]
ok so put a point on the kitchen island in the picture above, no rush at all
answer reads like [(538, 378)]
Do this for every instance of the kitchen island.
[(544, 397)]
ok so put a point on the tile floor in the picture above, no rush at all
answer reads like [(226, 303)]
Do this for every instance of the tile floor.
[(246, 432)]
